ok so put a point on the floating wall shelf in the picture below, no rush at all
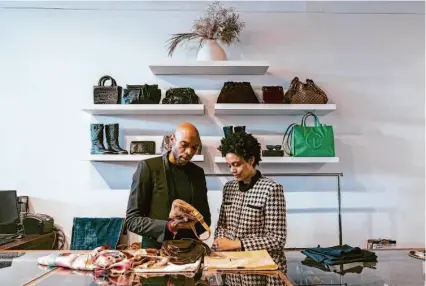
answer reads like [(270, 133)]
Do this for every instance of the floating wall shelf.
[(285, 160), (132, 158), (210, 68), (145, 109), (272, 109)]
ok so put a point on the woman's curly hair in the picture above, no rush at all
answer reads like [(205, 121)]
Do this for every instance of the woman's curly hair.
[(242, 144)]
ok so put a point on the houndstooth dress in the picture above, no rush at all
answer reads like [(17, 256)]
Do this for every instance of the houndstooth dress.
[(257, 216)]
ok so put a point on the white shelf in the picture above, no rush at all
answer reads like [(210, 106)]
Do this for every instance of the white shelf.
[(272, 109), (210, 68), (143, 109), (132, 158), (286, 160)]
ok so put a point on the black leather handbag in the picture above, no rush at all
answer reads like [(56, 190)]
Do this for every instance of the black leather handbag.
[(142, 94), (103, 94), (237, 92), (181, 95), (142, 147)]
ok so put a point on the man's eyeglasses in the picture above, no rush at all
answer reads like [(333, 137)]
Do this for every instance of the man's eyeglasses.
[(273, 147)]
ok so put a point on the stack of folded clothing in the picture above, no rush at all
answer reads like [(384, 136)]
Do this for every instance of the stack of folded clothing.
[(339, 254)]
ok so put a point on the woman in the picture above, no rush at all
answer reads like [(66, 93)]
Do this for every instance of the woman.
[(252, 215)]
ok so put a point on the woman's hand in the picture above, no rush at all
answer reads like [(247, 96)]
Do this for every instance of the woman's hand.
[(225, 244)]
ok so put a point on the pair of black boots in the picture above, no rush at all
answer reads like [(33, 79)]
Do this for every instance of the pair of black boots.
[(228, 130), (111, 135)]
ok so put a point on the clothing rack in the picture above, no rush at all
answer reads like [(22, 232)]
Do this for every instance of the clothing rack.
[(337, 175)]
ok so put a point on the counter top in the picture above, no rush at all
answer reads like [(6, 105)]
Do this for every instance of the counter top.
[(394, 268)]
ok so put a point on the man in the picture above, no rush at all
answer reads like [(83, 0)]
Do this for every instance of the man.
[(158, 181)]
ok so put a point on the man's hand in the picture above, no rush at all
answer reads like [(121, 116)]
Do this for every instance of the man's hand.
[(225, 244), (175, 225)]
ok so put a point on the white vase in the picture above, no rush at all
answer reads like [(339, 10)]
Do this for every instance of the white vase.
[(211, 51)]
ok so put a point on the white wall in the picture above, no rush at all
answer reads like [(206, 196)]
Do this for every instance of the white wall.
[(370, 65)]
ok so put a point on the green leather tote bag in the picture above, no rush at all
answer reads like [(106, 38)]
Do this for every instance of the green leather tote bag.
[(309, 141)]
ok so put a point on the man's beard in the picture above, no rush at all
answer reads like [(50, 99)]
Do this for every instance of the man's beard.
[(179, 161)]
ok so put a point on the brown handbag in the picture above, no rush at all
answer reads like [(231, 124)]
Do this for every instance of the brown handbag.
[(273, 94), (183, 211), (237, 92), (184, 251), (304, 93)]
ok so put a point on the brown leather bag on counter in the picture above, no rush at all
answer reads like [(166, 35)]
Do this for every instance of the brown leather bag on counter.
[(304, 93), (184, 251)]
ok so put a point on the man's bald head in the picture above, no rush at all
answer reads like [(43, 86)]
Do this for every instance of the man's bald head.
[(186, 141), (186, 129)]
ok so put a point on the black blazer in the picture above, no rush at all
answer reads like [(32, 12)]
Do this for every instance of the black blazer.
[(151, 196)]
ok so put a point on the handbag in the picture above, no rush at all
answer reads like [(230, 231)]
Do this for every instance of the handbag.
[(183, 211), (237, 92), (142, 147), (166, 145), (304, 93), (106, 94), (273, 94), (181, 95), (309, 141), (142, 94), (184, 251)]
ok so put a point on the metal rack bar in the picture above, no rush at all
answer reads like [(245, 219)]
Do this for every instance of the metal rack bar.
[(339, 198)]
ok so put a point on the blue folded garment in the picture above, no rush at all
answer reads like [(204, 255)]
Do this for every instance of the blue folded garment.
[(89, 233), (339, 254)]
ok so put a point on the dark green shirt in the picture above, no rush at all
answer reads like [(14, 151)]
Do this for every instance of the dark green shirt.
[(181, 182)]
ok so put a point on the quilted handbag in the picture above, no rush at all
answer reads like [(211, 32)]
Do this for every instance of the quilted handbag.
[(273, 94), (184, 251), (237, 92), (181, 210), (103, 94), (142, 147), (309, 141), (181, 95), (142, 94), (304, 93)]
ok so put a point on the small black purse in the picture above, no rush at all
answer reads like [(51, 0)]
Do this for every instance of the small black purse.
[(142, 147), (106, 94), (181, 95)]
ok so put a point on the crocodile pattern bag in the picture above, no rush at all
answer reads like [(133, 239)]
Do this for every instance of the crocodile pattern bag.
[(106, 94), (304, 93), (142, 94), (181, 95), (142, 147)]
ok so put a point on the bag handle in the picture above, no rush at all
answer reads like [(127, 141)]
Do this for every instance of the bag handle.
[(311, 83), (287, 134), (103, 79), (317, 122)]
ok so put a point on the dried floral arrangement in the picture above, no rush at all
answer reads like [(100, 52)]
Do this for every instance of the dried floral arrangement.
[(218, 23)]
